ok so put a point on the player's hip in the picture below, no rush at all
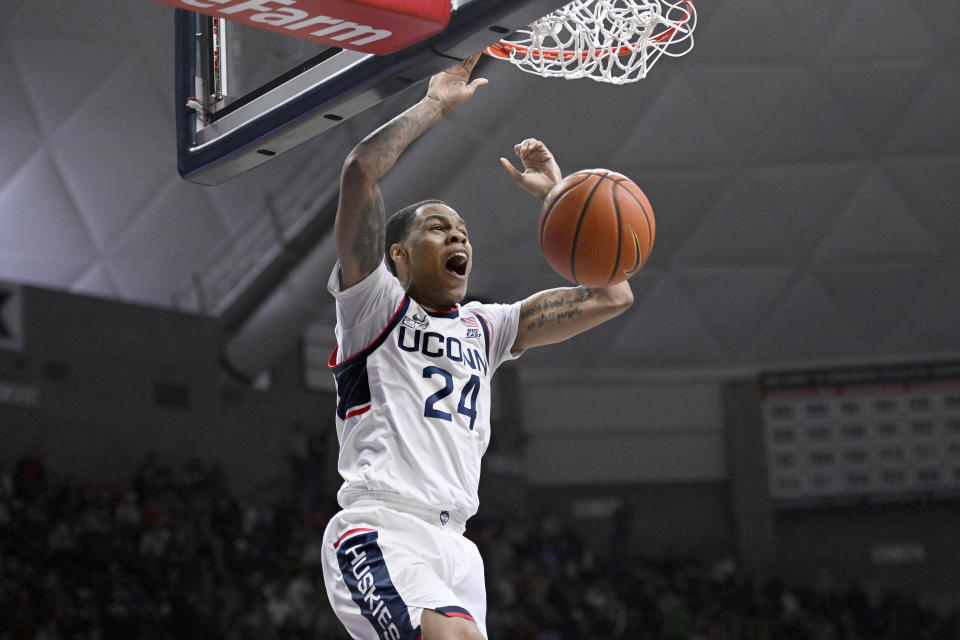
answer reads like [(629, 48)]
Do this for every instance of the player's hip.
[(382, 567)]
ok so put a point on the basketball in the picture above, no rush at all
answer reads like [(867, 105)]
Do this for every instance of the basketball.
[(596, 228)]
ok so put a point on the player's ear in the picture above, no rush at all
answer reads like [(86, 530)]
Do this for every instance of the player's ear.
[(398, 253), (401, 260)]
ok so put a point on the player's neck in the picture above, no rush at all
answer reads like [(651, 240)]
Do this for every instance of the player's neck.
[(431, 302), (427, 294), (434, 306)]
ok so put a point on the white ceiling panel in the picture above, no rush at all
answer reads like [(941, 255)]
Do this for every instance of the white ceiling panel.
[(812, 127), (158, 230), (930, 124), (51, 19), (177, 228), (21, 130), (43, 269), (944, 19), (876, 298), (735, 301), (930, 324), (743, 100), (814, 20), (663, 329), (97, 281), (807, 199), (8, 10), (42, 240), (115, 150), (655, 133), (37, 213), (742, 228), (880, 30), (144, 19), (806, 325), (680, 200), (932, 187), (876, 224), (738, 32), (875, 94), (60, 74)]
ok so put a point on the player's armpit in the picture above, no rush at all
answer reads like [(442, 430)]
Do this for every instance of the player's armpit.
[(557, 314)]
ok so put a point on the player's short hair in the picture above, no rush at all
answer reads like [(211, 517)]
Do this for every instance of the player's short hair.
[(398, 225)]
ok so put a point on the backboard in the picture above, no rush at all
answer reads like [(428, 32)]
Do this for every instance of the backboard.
[(245, 95)]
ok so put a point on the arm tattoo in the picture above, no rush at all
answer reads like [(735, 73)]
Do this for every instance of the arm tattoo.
[(555, 308), (375, 156), (368, 243), (384, 146)]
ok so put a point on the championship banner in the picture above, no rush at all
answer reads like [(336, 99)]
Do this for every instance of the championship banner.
[(368, 26), (11, 316)]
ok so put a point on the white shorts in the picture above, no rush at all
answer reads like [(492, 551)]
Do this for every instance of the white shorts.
[(383, 567)]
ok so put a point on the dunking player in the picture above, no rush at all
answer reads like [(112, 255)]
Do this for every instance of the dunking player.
[(413, 375)]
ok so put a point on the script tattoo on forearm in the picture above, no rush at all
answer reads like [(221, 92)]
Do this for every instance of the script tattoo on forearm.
[(555, 308)]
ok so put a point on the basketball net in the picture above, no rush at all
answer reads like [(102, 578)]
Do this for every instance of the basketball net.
[(614, 41)]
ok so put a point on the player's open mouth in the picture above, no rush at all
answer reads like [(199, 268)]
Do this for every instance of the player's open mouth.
[(457, 263)]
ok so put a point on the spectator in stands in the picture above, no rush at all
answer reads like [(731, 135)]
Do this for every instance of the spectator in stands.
[(177, 556)]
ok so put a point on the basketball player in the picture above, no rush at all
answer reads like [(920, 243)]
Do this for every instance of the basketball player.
[(413, 375)]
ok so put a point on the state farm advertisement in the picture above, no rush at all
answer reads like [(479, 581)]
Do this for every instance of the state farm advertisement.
[(369, 26)]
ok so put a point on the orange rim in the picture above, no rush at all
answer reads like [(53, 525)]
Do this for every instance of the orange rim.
[(504, 49)]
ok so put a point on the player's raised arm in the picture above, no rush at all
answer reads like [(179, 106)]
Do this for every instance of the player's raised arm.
[(555, 315), (359, 227)]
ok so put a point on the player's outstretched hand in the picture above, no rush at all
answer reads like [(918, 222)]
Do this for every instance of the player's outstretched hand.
[(453, 87), (541, 172)]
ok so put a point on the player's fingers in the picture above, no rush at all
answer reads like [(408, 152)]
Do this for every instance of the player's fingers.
[(477, 83), (471, 62), (528, 146), (510, 169)]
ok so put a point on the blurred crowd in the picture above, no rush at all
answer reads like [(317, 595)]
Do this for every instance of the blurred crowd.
[(175, 555), (546, 583)]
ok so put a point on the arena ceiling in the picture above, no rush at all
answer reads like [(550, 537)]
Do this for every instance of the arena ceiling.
[(803, 162)]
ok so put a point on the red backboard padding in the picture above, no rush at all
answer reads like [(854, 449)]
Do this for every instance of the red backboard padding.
[(370, 26)]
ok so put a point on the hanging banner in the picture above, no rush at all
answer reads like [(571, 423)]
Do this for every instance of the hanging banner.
[(368, 26)]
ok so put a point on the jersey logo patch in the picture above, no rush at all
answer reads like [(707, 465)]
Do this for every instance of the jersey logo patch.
[(416, 322), (473, 327)]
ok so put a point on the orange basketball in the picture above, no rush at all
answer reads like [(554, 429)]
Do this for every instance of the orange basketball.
[(596, 228)]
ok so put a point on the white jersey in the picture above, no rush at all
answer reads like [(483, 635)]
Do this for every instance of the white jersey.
[(413, 392)]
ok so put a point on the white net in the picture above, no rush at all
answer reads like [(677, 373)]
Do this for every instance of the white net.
[(615, 41)]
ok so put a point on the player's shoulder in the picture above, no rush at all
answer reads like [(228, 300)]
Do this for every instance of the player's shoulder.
[(477, 305), (379, 279), (492, 311)]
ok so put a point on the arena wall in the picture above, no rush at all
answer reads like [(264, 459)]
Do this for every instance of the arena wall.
[(640, 462), (109, 382)]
